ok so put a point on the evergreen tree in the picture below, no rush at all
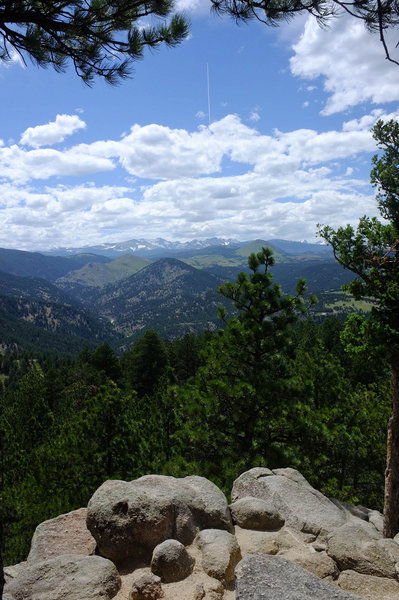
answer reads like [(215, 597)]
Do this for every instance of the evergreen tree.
[(378, 16), (104, 359), (232, 412), (372, 254), (338, 425), (100, 37), (145, 363)]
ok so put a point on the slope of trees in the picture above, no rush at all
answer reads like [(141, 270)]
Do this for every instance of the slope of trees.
[(264, 391), (372, 254)]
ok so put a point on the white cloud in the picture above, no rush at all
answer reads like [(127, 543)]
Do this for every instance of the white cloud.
[(53, 132), (254, 116), (158, 152), (349, 59), (176, 184), (192, 6), (21, 166), (14, 59)]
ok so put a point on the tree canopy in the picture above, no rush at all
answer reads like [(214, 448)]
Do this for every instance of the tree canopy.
[(377, 15), (104, 37), (100, 37), (372, 254)]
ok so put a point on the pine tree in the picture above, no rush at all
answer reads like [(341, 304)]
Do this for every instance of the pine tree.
[(372, 254), (232, 410), (100, 37)]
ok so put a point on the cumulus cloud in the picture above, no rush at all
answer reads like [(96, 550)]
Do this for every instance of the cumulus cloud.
[(53, 132), (176, 184), (21, 166), (350, 61)]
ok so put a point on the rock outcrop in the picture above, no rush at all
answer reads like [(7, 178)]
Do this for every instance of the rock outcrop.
[(67, 577), (128, 519), (273, 578), (164, 538), (295, 500), (66, 534)]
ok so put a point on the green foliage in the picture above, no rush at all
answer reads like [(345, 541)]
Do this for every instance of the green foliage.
[(307, 404), (104, 359), (232, 413), (112, 435), (184, 354), (340, 423), (372, 254), (100, 37), (385, 172), (377, 16), (372, 251), (145, 363)]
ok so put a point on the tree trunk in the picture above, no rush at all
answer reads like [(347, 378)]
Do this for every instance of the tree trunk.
[(391, 500), (1, 577)]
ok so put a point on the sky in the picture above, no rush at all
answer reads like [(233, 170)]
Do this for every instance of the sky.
[(282, 145)]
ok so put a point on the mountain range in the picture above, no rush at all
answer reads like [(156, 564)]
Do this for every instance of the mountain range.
[(166, 286), (159, 248)]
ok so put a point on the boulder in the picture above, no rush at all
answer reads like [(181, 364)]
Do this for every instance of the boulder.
[(302, 507), (318, 563), (252, 541), (66, 534), (220, 553), (198, 586), (262, 577), (288, 544), (12, 571), (146, 587), (377, 519), (358, 546), (171, 561), (67, 577), (292, 474), (369, 586), (127, 518), (254, 513), (214, 511), (351, 510)]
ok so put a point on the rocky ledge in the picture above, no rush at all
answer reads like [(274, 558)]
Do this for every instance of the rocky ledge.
[(164, 538)]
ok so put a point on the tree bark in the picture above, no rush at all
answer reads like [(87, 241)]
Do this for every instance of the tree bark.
[(391, 500), (1, 577)]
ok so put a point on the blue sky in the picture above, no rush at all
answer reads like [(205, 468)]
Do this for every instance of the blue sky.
[(287, 144)]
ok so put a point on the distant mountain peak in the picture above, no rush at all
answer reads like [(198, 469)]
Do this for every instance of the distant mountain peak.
[(152, 247)]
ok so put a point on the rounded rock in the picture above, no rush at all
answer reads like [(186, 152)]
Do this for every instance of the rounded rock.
[(147, 587), (171, 561), (254, 513)]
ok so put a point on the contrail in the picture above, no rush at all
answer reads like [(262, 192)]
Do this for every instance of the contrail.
[(209, 102)]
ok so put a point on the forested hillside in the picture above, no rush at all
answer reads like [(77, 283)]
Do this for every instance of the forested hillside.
[(35, 264), (269, 389), (127, 295)]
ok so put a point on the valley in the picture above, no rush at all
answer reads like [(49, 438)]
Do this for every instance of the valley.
[(127, 289)]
